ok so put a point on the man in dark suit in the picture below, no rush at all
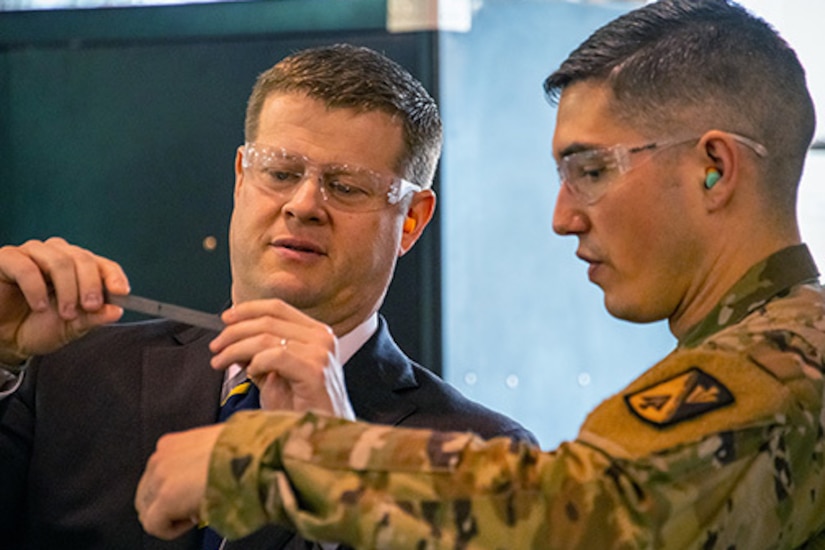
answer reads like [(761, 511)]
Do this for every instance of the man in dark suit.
[(332, 185)]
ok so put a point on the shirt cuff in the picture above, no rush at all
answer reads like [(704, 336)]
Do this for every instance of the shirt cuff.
[(11, 376)]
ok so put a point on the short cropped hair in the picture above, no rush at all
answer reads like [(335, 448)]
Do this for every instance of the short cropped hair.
[(689, 66), (352, 77)]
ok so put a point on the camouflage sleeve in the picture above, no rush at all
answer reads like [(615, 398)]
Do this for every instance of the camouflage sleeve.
[(381, 487), (742, 472)]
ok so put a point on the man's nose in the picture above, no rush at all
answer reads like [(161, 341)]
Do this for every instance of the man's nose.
[(569, 217), (308, 196)]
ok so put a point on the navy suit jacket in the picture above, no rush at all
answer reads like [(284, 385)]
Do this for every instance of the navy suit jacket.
[(75, 437)]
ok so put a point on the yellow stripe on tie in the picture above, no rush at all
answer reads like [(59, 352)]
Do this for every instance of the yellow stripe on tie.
[(240, 389)]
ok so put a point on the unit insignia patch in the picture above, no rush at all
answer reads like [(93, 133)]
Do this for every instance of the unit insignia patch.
[(684, 396)]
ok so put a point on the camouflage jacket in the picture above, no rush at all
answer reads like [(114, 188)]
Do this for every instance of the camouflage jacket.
[(719, 445)]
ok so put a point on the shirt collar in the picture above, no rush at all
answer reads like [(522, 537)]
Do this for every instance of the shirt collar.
[(762, 282), (352, 341)]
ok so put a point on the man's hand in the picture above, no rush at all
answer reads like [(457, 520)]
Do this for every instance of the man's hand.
[(171, 489), (291, 357), (52, 293)]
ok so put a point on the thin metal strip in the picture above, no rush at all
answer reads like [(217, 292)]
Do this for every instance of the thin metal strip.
[(167, 311)]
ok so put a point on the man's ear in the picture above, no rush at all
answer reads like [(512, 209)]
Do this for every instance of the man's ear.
[(419, 214), (238, 169), (720, 169)]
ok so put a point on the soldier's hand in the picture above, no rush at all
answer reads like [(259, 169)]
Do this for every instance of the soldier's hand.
[(51, 292), (173, 485)]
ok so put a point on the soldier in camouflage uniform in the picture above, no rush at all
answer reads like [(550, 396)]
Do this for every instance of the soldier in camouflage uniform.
[(681, 135)]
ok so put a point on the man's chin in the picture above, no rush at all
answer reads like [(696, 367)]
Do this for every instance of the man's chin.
[(295, 293), (630, 312), (619, 307)]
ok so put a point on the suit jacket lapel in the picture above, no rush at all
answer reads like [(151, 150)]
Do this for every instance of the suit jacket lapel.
[(377, 377), (178, 390)]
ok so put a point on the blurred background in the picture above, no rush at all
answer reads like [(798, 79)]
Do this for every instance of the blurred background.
[(118, 126)]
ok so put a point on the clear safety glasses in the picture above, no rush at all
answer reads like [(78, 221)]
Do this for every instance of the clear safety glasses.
[(342, 186), (588, 173)]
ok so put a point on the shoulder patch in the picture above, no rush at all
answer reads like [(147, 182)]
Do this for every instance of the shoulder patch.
[(686, 395)]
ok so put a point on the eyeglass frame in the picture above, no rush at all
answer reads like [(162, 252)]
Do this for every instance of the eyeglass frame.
[(620, 155), (397, 189)]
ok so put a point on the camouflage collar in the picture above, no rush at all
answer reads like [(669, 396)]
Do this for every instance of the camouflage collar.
[(764, 281)]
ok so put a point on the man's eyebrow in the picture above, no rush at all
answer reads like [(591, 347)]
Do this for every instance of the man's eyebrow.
[(577, 147), (342, 169)]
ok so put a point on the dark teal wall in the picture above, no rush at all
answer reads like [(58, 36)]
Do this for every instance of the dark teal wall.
[(118, 130)]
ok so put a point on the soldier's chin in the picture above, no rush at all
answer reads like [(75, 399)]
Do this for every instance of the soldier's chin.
[(629, 311)]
